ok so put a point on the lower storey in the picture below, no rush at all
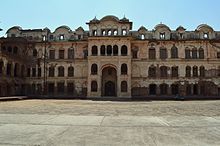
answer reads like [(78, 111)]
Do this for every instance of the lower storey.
[(69, 89)]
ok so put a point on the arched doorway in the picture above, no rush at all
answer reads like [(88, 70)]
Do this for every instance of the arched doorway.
[(109, 88), (109, 81)]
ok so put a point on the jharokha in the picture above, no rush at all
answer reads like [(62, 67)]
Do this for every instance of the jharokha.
[(110, 59)]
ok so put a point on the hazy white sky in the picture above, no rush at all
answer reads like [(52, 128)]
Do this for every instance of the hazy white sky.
[(74, 13)]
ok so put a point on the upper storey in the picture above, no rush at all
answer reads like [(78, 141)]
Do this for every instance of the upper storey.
[(113, 26), (62, 33), (163, 32), (109, 26)]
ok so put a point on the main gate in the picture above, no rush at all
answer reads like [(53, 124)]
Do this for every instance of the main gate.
[(109, 81)]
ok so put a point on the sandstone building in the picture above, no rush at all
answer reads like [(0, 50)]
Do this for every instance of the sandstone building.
[(110, 59)]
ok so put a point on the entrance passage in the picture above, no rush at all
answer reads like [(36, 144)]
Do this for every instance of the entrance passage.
[(109, 81), (152, 89), (110, 89)]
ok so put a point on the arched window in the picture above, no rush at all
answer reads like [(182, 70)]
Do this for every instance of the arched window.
[(1, 67), (142, 36), (60, 71), (162, 35), (115, 32), (218, 55), (109, 50), (70, 53), (201, 53), (174, 52), (175, 89), (94, 86), (33, 88), (115, 50), (135, 53), (205, 35), (34, 72), (152, 53), (28, 72), (60, 87), (35, 52), (109, 32), (23, 71), (163, 72), (94, 69), (94, 32), (152, 89), (94, 50), (70, 71), (174, 71), (51, 71), (70, 88), (152, 72), (202, 89), (163, 53), (16, 70), (163, 89), (15, 50), (194, 53), (218, 72), (39, 72), (102, 50), (61, 54), (124, 86), (103, 32), (124, 50), (195, 71), (124, 32), (202, 71), (52, 54), (188, 89), (195, 89), (8, 69), (85, 53), (9, 49), (188, 71), (51, 88), (3, 48), (61, 37), (187, 53), (124, 69)]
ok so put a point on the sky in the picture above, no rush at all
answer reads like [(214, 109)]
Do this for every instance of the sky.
[(31, 14)]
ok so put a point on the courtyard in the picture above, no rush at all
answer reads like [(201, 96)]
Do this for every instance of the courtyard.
[(90, 122)]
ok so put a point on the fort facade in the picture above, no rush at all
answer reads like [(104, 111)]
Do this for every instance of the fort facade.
[(110, 59)]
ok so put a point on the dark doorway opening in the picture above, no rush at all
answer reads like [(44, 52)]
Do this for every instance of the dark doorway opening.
[(152, 89), (175, 89), (51, 88), (110, 88), (109, 81), (195, 89), (218, 91)]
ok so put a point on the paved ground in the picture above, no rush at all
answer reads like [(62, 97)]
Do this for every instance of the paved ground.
[(100, 123)]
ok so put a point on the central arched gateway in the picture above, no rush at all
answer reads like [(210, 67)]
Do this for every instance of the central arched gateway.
[(109, 81)]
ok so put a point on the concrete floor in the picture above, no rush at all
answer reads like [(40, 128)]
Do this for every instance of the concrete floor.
[(100, 123)]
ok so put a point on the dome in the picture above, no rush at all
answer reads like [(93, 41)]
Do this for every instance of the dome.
[(161, 26), (46, 29), (63, 26), (142, 28), (80, 29), (110, 18), (18, 28), (204, 26), (181, 28)]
